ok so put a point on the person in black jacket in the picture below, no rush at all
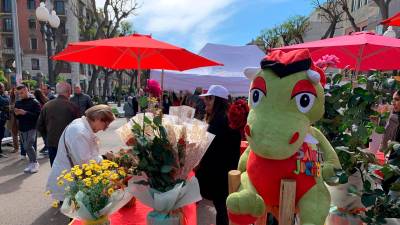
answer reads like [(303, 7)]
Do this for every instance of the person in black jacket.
[(27, 111), (82, 100), (222, 155), (4, 107)]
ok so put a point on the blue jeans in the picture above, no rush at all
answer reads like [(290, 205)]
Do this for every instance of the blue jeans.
[(28, 139), (23, 152)]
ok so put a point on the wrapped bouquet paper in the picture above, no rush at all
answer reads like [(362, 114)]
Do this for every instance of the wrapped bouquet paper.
[(94, 191), (167, 147)]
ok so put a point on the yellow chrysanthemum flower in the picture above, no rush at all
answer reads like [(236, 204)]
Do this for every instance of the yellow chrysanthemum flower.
[(78, 172), (70, 179), (88, 183), (88, 173), (110, 191), (64, 172), (47, 193), (60, 183), (55, 204), (122, 173), (114, 176), (95, 180), (92, 161)]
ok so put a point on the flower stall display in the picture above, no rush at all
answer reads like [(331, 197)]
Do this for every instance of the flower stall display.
[(167, 147), (94, 191)]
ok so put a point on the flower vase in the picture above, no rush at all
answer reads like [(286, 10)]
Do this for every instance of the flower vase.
[(104, 220), (174, 217)]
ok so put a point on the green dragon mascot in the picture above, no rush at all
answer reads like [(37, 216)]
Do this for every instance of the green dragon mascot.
[(286, 98)]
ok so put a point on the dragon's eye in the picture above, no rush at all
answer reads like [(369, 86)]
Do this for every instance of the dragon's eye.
[(304, 101), (255, 97)]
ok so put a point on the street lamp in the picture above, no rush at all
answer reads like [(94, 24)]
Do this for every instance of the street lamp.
[(48, 25)]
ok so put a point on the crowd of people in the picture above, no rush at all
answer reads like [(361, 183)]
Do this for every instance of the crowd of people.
[(42, 112)]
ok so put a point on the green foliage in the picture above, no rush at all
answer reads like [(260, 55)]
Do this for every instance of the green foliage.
[(30, 83), (289, 32), (156, 155), (60, 79), (3, 79), (347, 124)]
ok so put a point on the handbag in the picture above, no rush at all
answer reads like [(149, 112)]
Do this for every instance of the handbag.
[(67, 149)]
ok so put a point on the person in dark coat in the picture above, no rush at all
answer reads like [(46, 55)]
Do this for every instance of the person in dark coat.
[(131, 107), (83, 101), (55, 116), (4, 112), (27, 111), (222, 155)]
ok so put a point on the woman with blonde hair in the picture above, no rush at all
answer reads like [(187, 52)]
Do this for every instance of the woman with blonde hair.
[(78, 144)]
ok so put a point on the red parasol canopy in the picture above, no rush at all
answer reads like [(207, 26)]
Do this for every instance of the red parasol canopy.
[(360, 51)]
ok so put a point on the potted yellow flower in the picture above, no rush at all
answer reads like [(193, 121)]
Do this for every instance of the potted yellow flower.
[(93, 191)]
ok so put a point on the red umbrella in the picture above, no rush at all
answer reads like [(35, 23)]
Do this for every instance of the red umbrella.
[(360, 51), (392, 21), (133, 52)]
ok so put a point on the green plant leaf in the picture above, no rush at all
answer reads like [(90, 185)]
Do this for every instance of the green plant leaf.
[(157, 120), (337, 78), (143, 102), (368, 199), (380, 130), (367, 185), (147, 120)]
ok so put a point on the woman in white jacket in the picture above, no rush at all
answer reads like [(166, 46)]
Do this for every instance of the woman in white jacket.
[(81, 143)]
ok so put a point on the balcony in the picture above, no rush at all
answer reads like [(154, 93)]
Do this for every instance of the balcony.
[(8, 51)]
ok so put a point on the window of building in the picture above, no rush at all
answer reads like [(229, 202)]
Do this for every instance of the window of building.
[(6, 5), (359, 3), (366, 2), (31, 4), (35, 64), (7, 25), (9, 42), (59, 7), (353, 3), (32, 24), (34, 44)]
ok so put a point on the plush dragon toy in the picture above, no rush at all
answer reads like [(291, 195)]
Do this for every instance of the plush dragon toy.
[(286, 98)]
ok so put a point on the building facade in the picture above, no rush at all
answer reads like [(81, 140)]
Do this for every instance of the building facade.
[(33, 44), (366, 14), (34, 59)]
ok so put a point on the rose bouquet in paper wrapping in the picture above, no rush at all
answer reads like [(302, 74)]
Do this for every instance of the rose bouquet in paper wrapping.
[(94, 191), (168, 147)]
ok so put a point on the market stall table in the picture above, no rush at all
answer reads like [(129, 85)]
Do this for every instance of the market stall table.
[(136, 215)]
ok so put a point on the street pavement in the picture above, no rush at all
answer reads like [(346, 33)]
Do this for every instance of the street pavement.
[(22, 199)]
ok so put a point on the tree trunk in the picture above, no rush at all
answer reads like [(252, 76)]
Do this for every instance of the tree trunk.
[(384, 9), (119, 74), (333, 30), (105, 86), (331, 27), (350, 17), (92, 82), (132, 82)]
